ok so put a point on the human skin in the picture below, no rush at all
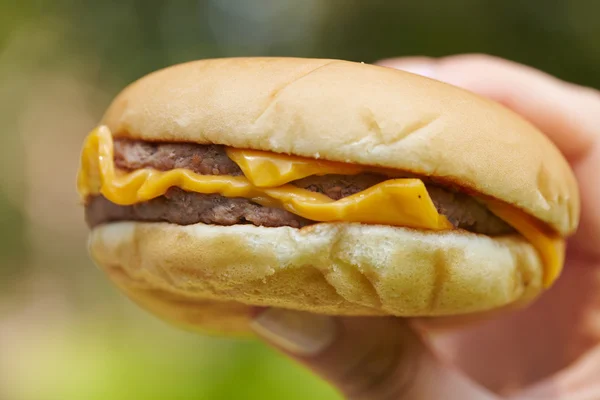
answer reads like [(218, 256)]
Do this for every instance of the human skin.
[(550, 350)]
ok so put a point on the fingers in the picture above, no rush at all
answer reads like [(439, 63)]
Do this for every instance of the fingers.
[(568, 114), (588, 175), (365, 358), (577, 382)]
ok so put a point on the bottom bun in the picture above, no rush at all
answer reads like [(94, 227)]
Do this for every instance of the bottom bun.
[(208, 277)]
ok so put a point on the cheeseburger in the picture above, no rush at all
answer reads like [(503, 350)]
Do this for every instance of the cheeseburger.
[(217, 186)]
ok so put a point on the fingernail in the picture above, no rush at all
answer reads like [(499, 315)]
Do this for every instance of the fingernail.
[(300, 333)]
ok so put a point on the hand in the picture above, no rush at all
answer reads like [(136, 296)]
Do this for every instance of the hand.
[(550, 350)]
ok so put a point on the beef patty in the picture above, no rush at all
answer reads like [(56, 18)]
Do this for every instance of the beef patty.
[(184, 208)]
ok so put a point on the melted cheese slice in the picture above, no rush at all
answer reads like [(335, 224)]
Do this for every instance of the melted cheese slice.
[(396, 202), (549, 245), (265, 169), (399, 202)]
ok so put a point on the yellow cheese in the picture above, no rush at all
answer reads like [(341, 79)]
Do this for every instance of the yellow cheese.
[(549, 245), (264, 169), (399, 202), (396, 202)]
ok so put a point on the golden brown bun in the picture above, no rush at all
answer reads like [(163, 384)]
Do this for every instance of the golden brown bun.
[(206, 276), (359, 113)]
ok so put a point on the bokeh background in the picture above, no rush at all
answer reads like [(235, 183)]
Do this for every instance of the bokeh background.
[(65, 333)]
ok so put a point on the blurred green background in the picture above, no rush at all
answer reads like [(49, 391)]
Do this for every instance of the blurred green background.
[(65, 333)]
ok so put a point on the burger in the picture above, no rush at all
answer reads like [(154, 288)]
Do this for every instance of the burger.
[(218, 186)]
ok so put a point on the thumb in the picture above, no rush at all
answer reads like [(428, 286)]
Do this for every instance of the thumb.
[(364, 357)]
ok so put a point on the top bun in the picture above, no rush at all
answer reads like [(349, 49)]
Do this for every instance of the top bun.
[(358, 113)]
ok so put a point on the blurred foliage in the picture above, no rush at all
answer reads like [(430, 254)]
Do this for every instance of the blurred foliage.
[(96, 363), (65, 333)]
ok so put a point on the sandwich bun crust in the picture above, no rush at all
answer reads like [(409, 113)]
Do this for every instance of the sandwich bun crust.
[(208, 277)]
